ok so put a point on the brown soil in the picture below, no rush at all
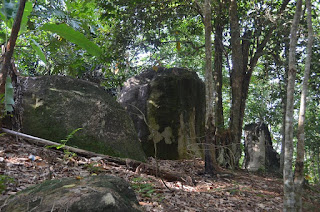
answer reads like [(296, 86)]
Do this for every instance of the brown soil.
[(236, 191)]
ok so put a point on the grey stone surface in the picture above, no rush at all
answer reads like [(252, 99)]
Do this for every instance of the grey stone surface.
[(167, 107), (53, 106), (95, 194), (259, 153)]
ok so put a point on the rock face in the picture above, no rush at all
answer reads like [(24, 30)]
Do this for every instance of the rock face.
[(259, 153), (54, 106), (95, 193), (167, 107)]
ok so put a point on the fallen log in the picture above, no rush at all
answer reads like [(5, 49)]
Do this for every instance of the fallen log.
[(138, 166)]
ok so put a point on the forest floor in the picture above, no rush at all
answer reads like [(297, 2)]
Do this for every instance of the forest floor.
[(237, 191)]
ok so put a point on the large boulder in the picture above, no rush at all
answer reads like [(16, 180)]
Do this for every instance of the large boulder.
[(259, 153), (94, 193), (167, 107), (51, 107)]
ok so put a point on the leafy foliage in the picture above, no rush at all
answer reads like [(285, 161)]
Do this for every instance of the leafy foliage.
[(67, 153), (27, 11), (9, 9), (76, 37), (38, 50), (94, 168), (144, 189), (4, 180)]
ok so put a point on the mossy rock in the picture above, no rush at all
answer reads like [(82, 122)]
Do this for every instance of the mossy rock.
[(94, 193), (167, 107), (51, 107)]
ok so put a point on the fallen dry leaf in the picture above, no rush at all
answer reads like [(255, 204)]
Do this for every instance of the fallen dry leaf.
[(242, 192)]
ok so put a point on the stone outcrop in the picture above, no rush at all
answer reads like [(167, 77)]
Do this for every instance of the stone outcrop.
[(259, 153), (95, 193), (167, 107), (51, 107)]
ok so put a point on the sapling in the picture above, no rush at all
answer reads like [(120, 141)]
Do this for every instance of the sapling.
[(63, 142)]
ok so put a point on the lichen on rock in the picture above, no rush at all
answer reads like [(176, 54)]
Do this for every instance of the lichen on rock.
[(167, 107), (94, 193), (54, 106)]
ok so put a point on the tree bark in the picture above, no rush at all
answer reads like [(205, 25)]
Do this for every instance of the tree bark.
[(219, 23), (284, 105), (10, 46), (210, 158), (318, 162), (299, 167), (218, 46), (236, 81), (208, 62), (284, 102), (288, 156)]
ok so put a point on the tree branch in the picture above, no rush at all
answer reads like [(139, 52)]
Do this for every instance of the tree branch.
[(10, 46)]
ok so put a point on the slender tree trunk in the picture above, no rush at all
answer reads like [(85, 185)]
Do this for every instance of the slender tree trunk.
[(318, 162), (218, 46), (10, 46), (299, 167), (210, 158), (208, 68), (288, 156), (284, 107), (236, 81), (284, 104), (218, 61)]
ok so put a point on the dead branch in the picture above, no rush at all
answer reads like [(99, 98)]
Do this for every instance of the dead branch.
[(139, 166)]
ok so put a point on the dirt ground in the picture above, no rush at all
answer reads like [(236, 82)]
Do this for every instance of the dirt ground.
[(28, 164)]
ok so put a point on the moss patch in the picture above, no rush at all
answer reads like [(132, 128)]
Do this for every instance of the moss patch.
[(69, 194), (54, 106)]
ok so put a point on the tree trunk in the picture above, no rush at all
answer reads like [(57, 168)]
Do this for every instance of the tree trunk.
[(210, 158), (287, 171), (208, 67), (236, 81), (318, 162), (284, 105), (10, 46), (218, 46), (219, 21), (242, 69), (299, 167)]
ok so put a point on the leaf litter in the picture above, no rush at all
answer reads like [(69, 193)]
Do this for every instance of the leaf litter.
[(28, 164)]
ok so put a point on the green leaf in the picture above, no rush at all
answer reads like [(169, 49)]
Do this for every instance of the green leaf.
[(2, 16), (73, 36), (72, 134), (9, 8), (38, 50), (8, 99), (27, 11), (69, 186)]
